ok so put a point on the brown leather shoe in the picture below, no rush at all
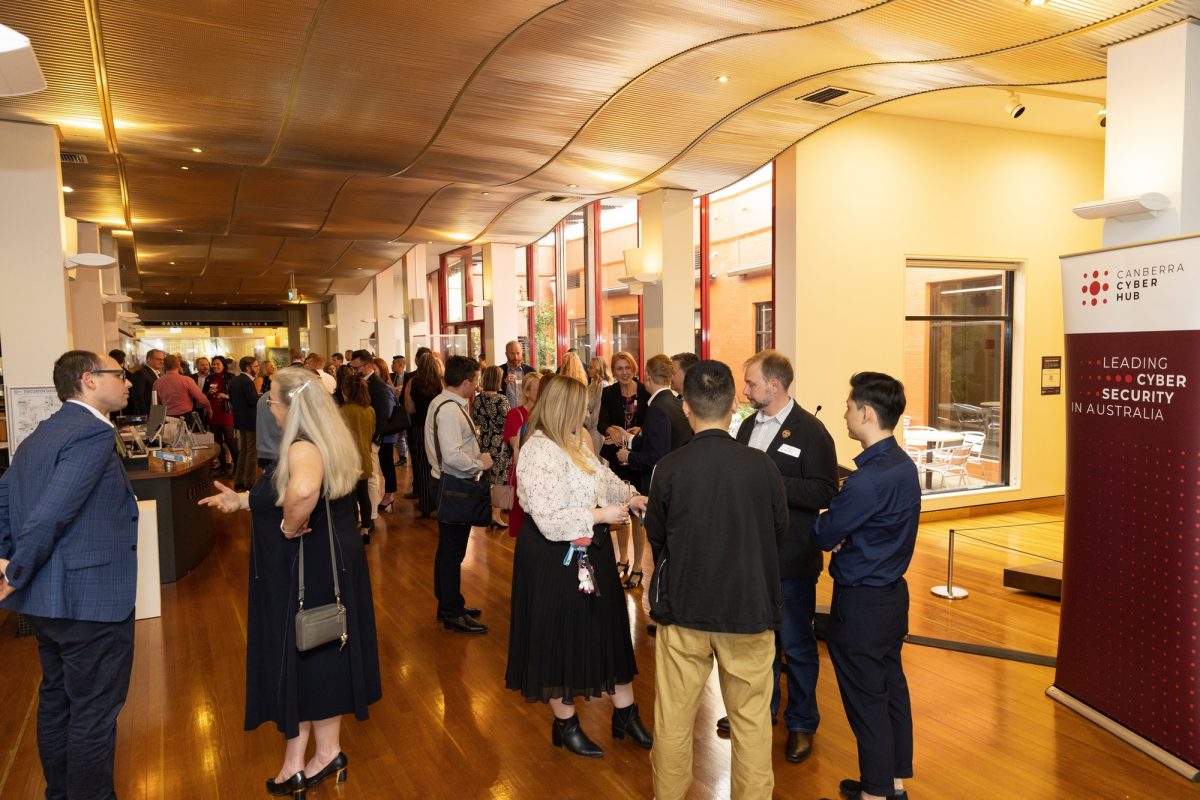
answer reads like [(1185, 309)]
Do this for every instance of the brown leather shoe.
[(799, 746)]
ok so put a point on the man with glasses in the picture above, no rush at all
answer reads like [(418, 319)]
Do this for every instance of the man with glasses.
[(142, 395), (68, 561)]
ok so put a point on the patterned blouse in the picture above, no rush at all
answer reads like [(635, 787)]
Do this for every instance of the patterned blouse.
[(559, 495), (488, 412)]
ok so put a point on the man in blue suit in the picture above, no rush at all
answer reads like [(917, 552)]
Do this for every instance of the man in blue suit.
[(68, 561)]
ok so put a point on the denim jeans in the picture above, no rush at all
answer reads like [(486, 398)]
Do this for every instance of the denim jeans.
[(798, 644)]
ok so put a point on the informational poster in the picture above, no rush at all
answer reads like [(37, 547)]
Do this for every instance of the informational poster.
[(1128, 645), (1051, 374), (26, 407)]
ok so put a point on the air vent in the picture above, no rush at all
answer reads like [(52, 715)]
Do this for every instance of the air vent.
[(834, 96), (73, 158), (561, 198)]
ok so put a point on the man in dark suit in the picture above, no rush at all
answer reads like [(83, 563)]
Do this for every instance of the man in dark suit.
[(803, 450), (665, 427), (243, 398), (141, 396), (68, 536)]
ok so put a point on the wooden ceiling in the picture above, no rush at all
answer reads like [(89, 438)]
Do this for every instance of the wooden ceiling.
[(245, 142)]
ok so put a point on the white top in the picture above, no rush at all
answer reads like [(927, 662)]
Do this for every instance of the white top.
[(766, 428), (559, 495), (457, 436), (328, 381)]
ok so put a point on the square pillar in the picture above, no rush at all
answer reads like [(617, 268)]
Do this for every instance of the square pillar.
[(500, 324), (668, 312)]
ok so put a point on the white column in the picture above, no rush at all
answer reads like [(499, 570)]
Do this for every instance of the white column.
[(668, 314), (318, 342), (87, 307), (786, 250), (33, 303), (500, 287), (385, 310), (417, 305), (1153, 126)]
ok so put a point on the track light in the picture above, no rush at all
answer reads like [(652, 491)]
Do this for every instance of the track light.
[(1015, 107), (1103, 115)]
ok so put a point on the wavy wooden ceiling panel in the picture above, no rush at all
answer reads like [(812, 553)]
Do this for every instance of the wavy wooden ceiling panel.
[(332, 135)]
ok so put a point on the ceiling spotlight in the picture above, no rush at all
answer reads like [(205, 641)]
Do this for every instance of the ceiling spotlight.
[(722, 79), (1015, 107), (572, 185), (1103, 114), (1035, 3), (185, 167), (485, 194), (197, 150), (67, 190)]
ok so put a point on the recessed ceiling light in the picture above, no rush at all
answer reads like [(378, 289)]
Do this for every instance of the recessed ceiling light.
[(430, 241), (67, 190), (485, 194), (172, 263), (179, 230), (572, 185), (722, 79), (197, 150), (166, 292), (359, 269), (1036, 2), (185, 167)]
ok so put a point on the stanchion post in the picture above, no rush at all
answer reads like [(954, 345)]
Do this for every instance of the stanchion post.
[(949, 591)]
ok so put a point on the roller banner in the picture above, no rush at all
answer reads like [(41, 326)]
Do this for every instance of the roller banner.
[(1131, 564)]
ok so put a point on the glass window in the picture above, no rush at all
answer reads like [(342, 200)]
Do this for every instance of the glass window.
[(456, 289), (525, 306), (578, 271), (618, 233), (545, 297), (625, 336), (958, 367), (764, 326)]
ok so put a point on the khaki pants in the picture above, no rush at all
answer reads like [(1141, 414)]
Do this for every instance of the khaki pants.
[(682, 662), (246, 472)]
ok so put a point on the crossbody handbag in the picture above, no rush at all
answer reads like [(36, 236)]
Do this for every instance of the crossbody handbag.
[(463, 501), (398, 422), (327, 623)]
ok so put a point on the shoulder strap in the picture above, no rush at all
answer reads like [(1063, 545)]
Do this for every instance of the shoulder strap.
[(437, 443), (337, 590)]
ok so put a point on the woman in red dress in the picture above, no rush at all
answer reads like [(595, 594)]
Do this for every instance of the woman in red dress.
[(220, 416), (516, 419)]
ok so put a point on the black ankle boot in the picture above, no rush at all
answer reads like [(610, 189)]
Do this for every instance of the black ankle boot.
[(626, 722), (567, 733)]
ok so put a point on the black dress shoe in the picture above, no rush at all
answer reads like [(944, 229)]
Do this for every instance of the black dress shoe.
[(853, 790), (470, 612), (799, 746), (626, 722), (652, 629), (723, 725), (294, 786), (337, 766), (567, 733), (463, 624)]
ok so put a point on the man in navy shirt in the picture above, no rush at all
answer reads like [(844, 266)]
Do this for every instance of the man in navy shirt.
[(871, 526)]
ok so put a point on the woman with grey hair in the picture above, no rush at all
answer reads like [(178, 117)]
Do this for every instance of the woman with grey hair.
[(306, 498)]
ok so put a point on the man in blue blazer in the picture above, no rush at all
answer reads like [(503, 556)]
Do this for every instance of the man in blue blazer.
[(68, 561)]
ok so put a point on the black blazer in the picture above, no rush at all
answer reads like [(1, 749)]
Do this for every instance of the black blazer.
[(612, 412), (665, 428), (244, 401), (810, 480), (142, 392)]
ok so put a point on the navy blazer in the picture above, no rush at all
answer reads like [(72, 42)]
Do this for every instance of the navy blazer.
[(664, 429), (810, 480), (141, 394), (68, 522), (244, 401), (383, 400)]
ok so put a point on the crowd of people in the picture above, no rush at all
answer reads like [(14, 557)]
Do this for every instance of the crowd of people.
[(584, 466)]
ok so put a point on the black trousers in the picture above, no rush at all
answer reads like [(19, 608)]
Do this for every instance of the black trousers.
[(362, 496), (867, 626), (387, 463), (447, 568), (85, 677)]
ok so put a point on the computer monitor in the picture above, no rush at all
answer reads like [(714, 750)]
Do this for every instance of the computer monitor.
[(154, 422)]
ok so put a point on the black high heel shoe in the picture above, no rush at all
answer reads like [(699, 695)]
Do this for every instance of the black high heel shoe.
[(295, 786), (386, 507), (635, 580), (622, 568), (567, 733), (626, 722), (338, 765)]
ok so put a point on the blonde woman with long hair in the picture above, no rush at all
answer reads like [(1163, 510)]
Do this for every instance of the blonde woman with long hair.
[(565, 642), (599, 379), (306, 497)]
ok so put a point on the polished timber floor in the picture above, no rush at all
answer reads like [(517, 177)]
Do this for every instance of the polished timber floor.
[(447, 728)]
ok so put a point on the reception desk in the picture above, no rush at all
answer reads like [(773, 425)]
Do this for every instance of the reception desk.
[(184, 528)]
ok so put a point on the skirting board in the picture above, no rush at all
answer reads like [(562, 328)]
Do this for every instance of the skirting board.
[(1185, 769)]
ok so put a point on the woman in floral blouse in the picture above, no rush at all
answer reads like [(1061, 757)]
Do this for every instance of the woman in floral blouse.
[(488, 413)]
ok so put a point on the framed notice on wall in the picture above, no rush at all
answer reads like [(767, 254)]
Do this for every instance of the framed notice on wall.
[(26, 407), (1051, 374)]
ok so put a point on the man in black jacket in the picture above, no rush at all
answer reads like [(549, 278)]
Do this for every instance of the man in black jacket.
[(243, 398), (665, 427), (803, 450), (715, 518), (141, 396)]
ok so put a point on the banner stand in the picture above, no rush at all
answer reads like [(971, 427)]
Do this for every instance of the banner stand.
[(1189, 771)]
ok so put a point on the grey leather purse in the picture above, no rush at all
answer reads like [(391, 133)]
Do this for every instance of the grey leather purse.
[(327, 623)]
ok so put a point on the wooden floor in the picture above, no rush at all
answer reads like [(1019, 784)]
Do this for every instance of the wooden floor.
[(447, 728)]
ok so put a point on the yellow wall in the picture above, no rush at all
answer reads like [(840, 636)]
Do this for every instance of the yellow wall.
[(877, 189)]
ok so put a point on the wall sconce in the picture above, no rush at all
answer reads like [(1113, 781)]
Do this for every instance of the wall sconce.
[(367, 321), (636, 278), (117, 298), (479, 303), (525, 304), (1124, 209), (74, 260), (19, 70)]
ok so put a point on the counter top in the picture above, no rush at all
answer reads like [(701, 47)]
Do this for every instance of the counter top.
[(156, 467)]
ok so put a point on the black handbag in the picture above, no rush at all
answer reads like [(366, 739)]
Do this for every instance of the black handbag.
[(398, 422), (327, 623), (462, 501)]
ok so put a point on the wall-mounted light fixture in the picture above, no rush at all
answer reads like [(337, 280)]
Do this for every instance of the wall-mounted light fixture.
[(1125, 209), (117, 298), (74, 260), (636, 276), (479, 303), (19, 70)]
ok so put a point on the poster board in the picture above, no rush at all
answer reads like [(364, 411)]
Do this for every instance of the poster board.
[(26, 407)]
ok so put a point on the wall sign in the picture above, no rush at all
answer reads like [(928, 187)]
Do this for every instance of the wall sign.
[(1051, 374)]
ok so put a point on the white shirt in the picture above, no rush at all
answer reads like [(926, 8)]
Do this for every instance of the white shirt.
[(767, 428), (95, 412), (328, 381), (559, 495), (456, 435)]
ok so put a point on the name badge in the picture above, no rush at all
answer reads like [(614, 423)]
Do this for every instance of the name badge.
[(788, 450)]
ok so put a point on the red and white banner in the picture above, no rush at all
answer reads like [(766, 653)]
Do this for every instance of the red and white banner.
[(1131, 564)]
